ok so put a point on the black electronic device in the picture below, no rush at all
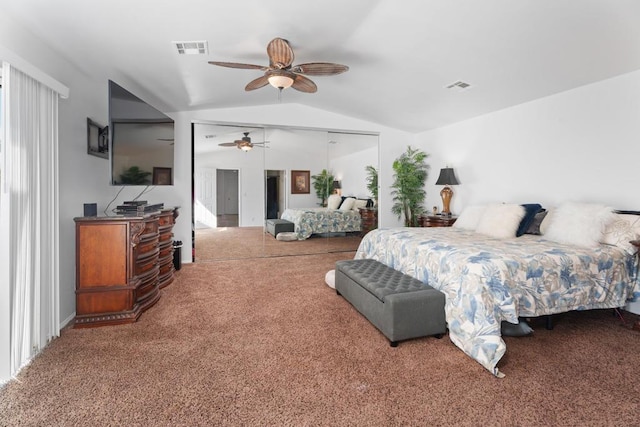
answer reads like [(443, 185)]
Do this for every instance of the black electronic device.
[(90, 209)]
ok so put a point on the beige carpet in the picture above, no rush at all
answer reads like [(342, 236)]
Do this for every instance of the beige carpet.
[(250, 242), (265, 342)]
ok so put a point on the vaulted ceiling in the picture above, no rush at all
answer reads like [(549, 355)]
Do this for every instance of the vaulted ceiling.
[(402, 54)]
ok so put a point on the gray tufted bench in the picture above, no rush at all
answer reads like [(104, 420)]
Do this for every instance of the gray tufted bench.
[(400, 306), (275, 226)]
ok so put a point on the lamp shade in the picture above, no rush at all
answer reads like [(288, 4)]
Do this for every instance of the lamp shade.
[(280, 79), (447, 177)]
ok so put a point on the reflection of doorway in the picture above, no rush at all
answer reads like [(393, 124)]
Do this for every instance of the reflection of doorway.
[(227, 197), (205, 204), (275, 193)]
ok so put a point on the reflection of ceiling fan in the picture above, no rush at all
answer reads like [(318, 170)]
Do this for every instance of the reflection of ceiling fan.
[(281, 74), (243, 144)]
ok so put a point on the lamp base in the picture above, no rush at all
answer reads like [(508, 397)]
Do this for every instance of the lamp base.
[(446, 194)]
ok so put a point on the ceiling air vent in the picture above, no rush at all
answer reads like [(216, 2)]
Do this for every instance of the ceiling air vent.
[(191, 48), (459, 86)]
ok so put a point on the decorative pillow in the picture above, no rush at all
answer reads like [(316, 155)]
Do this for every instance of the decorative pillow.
[(333, 202), (580, 224), (544, 225), (286, 236), (469, 218), (621, 230), (360, 203), (330, 279), (531, 209), (501, 221), (347, 204), (534, 227)]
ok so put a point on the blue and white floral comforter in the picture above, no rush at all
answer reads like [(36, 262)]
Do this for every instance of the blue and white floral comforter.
[(487, 280), (322, 220)]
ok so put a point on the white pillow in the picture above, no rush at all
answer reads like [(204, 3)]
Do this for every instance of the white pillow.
[(359, 204), (621, 230), (469, 218), (330, 279), (501, 221), (333, 202), (580, 224), (348, 203)]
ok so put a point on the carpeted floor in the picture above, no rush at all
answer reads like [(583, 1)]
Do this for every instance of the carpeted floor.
[(265, 342), (225, 243)]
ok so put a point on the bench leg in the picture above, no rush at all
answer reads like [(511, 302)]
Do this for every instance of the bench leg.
[(439, 336), (338, 293), (393, 343)]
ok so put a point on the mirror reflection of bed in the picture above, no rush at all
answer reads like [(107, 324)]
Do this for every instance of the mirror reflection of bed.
[(236, 191)]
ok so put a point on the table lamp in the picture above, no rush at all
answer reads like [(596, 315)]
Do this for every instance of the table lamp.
[(447, 177)]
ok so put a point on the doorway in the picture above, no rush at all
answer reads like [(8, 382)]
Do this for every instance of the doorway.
[(227, 200), (275, 193)]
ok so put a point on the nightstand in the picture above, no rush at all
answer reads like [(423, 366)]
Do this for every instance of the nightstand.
[(636, 243), (369, 218), (436, 220)]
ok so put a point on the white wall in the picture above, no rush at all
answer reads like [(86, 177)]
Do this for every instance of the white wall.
[(579, 145), (354, 179)]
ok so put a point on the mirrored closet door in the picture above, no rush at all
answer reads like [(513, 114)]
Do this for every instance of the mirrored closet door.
[(238, 191)]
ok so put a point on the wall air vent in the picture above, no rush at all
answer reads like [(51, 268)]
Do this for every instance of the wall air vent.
[(458, 86), (192, 48)]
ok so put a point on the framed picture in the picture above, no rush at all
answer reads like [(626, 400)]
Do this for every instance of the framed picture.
[(97, 140), (300, 182), (161, 176)]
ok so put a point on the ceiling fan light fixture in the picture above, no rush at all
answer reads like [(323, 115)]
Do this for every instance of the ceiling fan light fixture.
[(280, 79), (245, 147)]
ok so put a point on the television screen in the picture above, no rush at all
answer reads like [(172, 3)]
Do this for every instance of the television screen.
[(141, 140)]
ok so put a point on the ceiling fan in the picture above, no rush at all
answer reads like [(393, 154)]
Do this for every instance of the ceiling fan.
[(244, 143), (281, 74)]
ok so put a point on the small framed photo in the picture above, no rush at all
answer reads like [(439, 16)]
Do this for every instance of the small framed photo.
[(300, 182), (161, 176), (97, 140)]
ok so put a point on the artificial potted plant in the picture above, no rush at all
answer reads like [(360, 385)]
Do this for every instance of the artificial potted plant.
[(323, 185), (135, 175), (410, 175), (372, 183)]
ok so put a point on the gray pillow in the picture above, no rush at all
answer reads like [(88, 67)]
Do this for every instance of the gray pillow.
[(534, 227)]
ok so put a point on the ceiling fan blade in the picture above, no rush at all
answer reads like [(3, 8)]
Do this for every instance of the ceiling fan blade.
[(239, 65), (257, 83), (304, 84), (228, 144), (280, 53), (320, 69)]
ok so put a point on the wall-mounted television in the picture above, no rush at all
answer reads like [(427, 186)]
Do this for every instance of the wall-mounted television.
[(141, 140)]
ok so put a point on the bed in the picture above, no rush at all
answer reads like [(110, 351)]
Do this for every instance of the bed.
[(310, 221), (488, 278)]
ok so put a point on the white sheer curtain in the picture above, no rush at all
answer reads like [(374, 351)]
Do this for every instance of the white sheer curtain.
[(30, 188)]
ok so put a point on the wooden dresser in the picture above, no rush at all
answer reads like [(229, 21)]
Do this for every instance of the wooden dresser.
[(166, 220), (436, 220), (121, 263), (369, 217)]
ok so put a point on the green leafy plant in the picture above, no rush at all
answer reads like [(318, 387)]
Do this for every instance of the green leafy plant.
[(372, 183), (410, 175), (323, 185), (135, 175)]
